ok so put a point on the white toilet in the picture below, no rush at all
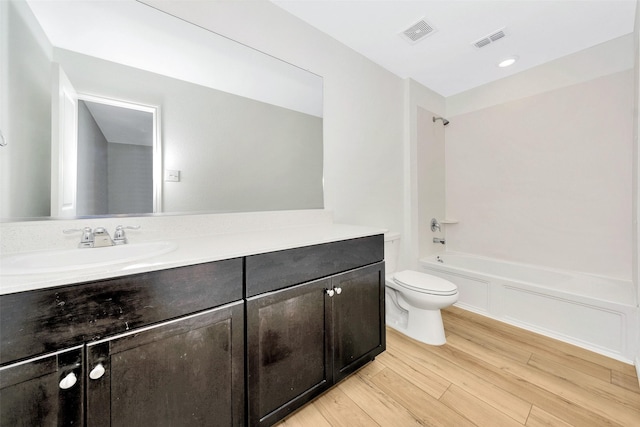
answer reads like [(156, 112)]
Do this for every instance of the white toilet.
[(414, 299)]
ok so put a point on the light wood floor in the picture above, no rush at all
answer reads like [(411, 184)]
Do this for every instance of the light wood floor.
[(488, 374)]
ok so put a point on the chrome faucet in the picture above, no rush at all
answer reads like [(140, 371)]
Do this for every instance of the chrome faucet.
[(438, 240), (100, 237)]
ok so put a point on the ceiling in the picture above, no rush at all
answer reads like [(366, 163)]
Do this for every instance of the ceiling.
[(122, 125), (446, 60)]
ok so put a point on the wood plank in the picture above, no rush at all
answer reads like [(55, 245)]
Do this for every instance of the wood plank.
[(603, 389), (491, 340), (541, 418), (475, 409), (611, 410), (371, 369), (424, 407), (308, 415), (629, 382), (427, 380), (530, 393), (489, 374), (340, 411), (479, 333), (383, 409), (537, 342), (437, 360)]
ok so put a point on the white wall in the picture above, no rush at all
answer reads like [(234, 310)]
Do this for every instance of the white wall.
[(130, 178), (546, 179), (585, 65), (431, 181), (25, 114), (92, 191), (424, 171)]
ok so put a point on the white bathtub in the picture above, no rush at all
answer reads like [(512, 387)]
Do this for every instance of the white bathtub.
[(596, 313)]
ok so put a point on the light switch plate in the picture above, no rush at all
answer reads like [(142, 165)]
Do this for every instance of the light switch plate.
[(171, 175)]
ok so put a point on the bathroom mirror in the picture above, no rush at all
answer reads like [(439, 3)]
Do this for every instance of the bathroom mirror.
[(239, 130)]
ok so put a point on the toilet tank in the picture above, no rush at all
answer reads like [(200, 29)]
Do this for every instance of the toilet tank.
[(391, 250)]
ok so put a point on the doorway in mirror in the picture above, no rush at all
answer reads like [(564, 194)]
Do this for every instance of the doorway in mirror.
[(116, 145)]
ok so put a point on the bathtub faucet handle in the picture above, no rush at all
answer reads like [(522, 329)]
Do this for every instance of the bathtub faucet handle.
[(435, 225)]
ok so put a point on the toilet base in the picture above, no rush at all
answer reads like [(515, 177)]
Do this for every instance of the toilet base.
[(423, 325)]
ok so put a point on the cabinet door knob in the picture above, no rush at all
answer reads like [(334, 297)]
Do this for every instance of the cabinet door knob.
[(329, 292), (97, 372), (68, 381), (338, 291)]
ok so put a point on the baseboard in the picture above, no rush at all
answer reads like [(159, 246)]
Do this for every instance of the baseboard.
[(637, 363)]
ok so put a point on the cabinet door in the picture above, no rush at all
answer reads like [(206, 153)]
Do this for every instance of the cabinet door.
[(288, 350), (44, 391), (186, 372), (358, 318)]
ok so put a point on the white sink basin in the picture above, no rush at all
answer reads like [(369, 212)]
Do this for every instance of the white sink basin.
[(80, 259)]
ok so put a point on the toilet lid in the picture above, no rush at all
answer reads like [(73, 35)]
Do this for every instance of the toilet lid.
[(425, 283)]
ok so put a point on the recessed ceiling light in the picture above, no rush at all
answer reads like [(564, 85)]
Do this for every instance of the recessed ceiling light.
[(508, 61)]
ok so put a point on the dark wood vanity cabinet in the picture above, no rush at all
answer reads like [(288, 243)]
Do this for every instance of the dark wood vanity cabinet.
[(237, 342), (304, 338)]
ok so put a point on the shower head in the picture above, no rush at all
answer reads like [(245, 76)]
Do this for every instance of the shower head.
[(444, 121)]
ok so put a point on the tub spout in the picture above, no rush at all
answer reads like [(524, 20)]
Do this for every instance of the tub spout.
[(438, 240)]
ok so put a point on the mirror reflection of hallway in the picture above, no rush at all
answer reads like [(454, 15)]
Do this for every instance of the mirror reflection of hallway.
[(115, 159)]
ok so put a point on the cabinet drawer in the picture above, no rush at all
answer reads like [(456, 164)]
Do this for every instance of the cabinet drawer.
[(277, 270), (47, 320)]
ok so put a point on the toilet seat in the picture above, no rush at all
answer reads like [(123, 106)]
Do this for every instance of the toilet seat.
[(424, 283)]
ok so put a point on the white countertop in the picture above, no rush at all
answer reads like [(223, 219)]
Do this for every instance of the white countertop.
[(195, 250)]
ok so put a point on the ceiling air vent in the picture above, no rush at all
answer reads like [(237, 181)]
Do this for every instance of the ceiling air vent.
[(418, 31), (490, 38)]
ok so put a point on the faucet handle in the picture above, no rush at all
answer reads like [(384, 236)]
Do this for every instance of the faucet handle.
[(75, 230), (119, 236), (86, 241)]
